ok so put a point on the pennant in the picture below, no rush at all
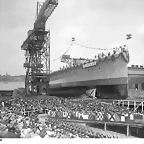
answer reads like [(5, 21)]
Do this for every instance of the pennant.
[(129, 36)]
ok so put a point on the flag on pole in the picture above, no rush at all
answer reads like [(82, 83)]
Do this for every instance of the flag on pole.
[(129, 36), (73, 39)]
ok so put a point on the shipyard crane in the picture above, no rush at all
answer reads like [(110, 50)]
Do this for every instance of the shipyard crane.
[(37, 49)]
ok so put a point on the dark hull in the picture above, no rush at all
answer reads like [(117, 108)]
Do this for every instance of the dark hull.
[(114, 88), (103, 92), (68, 91), (109, 76), (120, 91)]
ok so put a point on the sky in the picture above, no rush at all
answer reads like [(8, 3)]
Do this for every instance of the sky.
[(93, 23)]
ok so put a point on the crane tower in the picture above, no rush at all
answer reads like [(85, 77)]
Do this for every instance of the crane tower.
[(37, 50)]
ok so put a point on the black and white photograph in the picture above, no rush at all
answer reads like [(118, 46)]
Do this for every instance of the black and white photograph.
[(72, 69)]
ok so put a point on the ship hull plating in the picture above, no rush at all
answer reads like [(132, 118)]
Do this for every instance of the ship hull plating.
[(109, 91), (109, 76)]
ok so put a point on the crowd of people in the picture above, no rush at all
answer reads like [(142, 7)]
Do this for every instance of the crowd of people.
[(17, 122), (19, 118)]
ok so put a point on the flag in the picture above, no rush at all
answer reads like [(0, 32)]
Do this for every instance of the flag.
[(49, 113), (69, 114), (74, 114), (110, 117), (77, 114), (85, 116), (73, 39), (129, 36), (80, 115), (99, 116), (65, 114), (116, 117), (53, 113), (122, 118), (131, 116)]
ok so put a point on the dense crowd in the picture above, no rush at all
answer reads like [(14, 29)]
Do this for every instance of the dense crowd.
[(17, 122), (19, 117)]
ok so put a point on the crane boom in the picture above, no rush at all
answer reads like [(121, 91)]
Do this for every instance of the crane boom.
[(44, 12)]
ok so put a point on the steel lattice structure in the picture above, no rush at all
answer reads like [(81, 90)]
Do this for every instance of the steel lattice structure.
[(37, 50)]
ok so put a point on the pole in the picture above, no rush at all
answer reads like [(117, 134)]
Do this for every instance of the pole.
[(105, 128), (128, 130)]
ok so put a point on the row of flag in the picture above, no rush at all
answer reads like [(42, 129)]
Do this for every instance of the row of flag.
[(105, 116), (100, 116), (128, 36), (116, 48)]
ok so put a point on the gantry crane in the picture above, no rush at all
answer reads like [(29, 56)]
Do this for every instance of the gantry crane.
[(37, 50)]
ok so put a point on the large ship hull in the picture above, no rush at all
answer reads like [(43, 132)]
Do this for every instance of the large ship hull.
[(109, 76)]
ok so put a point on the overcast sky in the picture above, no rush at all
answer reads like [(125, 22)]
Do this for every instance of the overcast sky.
[(94, 23)]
